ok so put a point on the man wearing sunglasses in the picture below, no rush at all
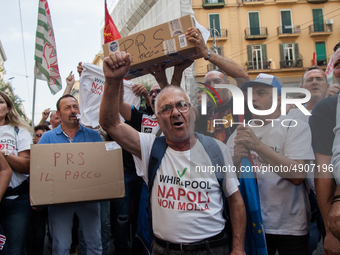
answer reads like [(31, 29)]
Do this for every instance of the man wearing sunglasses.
[(180, 227), (39, 131)]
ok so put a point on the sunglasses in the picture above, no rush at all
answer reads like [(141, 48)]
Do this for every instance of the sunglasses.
[(38, 135), (154, 91)]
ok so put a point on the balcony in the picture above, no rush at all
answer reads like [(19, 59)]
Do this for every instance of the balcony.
[(256, 33), (320, 30), (258, 65), (213, 4), (317, 1), (220, 34), (288, 31), (291, 64), (253, 2), (320, 62)]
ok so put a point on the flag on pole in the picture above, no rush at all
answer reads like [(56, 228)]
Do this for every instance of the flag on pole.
[(329, 71), (110, 31), (255, 240), (45, 50)]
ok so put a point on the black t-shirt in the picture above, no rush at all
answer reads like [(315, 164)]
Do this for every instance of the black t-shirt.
[(205, 124), (137, 119), (322, 122)]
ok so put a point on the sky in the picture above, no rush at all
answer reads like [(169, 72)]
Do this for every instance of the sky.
[(76, 24)]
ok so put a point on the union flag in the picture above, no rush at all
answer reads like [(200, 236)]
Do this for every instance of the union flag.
[(110, 31)]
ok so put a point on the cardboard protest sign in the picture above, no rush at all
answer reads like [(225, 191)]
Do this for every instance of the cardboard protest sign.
[(75, 172)]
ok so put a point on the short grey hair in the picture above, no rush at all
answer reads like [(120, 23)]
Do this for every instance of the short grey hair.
[(169, 87)]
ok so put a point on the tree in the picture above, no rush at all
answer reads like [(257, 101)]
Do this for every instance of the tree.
[(17, 101)]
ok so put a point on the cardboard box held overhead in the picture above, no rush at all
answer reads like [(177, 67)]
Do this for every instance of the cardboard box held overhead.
[(75, 172), (162, 44)]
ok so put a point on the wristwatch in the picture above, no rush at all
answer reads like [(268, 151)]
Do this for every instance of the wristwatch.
[(6, 154), (207, 58)]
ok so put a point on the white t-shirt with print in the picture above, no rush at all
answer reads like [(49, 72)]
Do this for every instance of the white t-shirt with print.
[(8, 142), (186, 205), (284, 206)]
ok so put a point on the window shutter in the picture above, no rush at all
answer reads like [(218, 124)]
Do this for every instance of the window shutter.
[(264, 52), (296, 51), (281, 51), (249, 53)]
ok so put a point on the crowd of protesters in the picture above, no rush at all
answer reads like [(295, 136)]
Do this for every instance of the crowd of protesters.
[(162, 147)]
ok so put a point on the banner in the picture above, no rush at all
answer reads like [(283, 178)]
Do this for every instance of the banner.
[(45, 50)]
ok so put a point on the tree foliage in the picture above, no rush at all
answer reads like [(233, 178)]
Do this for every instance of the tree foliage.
[(17, 101)]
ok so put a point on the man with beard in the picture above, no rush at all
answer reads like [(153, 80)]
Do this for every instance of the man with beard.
[(61, 216)]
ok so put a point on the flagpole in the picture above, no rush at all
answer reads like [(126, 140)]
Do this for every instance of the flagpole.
[(35, 82)]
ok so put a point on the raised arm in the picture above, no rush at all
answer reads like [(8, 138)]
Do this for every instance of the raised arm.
[(44, 117), (70, 82), (115, 66), (230, 67)]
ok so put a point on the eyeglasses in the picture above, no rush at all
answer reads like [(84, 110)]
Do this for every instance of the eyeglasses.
[(181, 106), (154, 91), (38, 135)]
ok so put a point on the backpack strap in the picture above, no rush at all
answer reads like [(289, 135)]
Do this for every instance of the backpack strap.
[(214, 152), (157, 152)]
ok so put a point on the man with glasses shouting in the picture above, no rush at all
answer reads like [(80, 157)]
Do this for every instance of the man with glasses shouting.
[(177, 226)]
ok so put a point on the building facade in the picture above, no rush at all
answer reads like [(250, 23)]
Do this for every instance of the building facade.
[(272, 36)]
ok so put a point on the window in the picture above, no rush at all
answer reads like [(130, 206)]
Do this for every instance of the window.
[(289, 55), (318, 20), (286, 22), (254, 23), (257, 57), (214, 22), (320, 53)]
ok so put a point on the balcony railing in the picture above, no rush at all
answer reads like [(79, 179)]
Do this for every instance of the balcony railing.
[(223, 32), (291, 63), (211, 67), (258, 65), (320, 62), (317, 1), (252, 0), (319, 29), (288, 30), (210, 4), (254, 33)]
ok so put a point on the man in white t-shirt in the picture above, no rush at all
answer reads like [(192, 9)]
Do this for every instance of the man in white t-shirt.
[(186, 205), (276, 144)]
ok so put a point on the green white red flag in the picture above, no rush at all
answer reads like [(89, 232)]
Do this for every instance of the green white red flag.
[(45, 49)]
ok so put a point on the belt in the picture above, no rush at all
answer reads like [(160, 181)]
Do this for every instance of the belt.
[(211, 242)]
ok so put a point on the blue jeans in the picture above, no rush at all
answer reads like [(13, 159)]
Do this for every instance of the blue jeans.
[(60, 219), (14, 218), (121, 210), (105, 230)]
